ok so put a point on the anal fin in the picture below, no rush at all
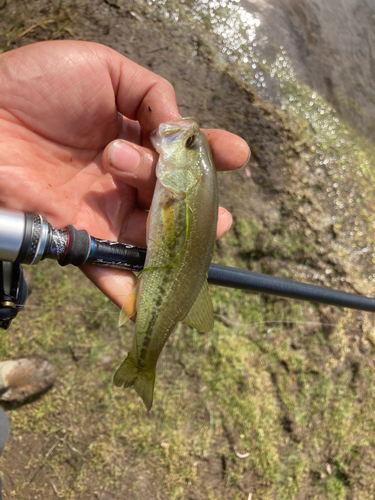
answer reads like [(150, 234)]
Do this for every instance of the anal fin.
[(201, 314)]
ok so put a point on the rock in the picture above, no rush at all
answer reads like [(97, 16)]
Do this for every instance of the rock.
[(23, 378)]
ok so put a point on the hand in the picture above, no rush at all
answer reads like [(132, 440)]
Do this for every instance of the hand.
[(64, 105)]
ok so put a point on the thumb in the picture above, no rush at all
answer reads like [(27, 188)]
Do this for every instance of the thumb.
[(134, 165)]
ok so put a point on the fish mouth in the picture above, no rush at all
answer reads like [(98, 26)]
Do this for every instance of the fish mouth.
[(165, 130), (156, 139), (171, 128)]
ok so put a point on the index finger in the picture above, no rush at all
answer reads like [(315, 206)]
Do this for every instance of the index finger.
[(141, 94), (150, 99)]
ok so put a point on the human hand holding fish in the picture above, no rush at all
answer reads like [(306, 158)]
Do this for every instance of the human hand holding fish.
[(75, 124), (75, 121)]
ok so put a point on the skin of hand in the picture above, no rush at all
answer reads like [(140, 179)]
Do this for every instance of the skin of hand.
[(75, 119)]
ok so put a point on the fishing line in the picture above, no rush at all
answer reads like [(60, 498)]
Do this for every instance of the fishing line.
[(220, 317), (285, 322), (68, 309)]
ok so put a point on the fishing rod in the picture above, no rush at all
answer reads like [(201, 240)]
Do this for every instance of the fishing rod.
[(27, 238)]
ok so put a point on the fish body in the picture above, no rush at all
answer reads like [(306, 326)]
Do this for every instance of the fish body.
[(181, 236)]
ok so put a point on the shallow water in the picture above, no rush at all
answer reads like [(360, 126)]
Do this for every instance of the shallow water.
[(315, 62), (331, 46)]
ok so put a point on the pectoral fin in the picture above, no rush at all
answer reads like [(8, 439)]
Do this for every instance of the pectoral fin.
[(179, 182), (201, 315)]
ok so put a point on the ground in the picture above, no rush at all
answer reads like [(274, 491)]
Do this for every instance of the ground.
[(278, 401)]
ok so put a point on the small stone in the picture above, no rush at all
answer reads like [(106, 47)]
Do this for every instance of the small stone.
[(104, 496), (106, 360), (80, 351), (25, 377)]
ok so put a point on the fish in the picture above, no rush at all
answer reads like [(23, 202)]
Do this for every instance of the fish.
[(181, 235)]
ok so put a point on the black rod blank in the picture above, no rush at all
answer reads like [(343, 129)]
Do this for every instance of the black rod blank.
[(263, 283), (28, 238)]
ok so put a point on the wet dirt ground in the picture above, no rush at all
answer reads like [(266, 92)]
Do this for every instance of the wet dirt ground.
[(218, 101)]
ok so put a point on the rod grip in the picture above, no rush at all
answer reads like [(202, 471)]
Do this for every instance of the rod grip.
[(78, 249), (120, 255)]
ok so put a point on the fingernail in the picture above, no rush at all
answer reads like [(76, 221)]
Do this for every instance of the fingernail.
[(227, 217), (124, 157), (248, 151)]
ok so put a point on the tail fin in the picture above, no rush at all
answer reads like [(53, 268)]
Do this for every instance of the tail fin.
[(129, 374), (144, 385)]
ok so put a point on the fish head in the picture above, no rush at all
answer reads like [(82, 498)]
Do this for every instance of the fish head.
[(179, 142)]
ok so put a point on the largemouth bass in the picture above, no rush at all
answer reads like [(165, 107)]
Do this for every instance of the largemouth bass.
[(181, 234)]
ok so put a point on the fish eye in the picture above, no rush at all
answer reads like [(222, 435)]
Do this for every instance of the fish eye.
[(190, 141)]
